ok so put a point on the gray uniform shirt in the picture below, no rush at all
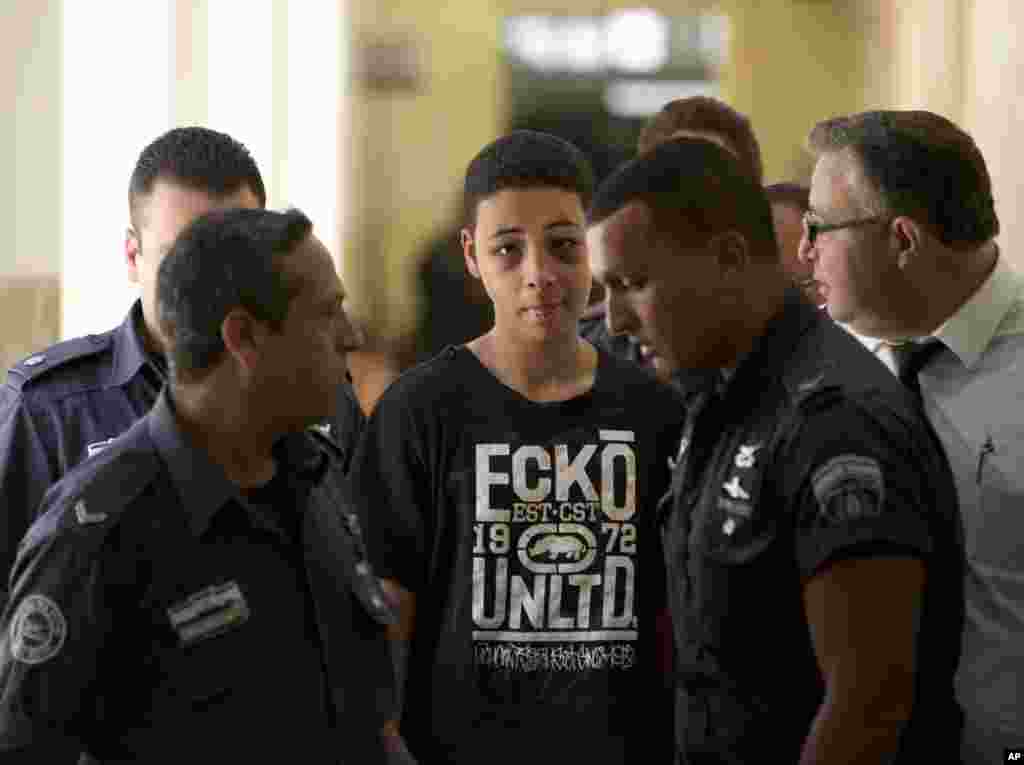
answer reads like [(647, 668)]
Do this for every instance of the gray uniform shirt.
[(973, 393)]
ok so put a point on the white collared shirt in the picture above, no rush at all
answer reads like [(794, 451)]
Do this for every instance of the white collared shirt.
[(974, 397)]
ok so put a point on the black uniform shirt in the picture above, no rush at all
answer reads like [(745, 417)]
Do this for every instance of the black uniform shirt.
[(61, 405), (813, 453), (157, 615)]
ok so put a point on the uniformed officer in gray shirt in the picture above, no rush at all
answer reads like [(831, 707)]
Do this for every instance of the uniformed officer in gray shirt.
[(901, 233), (199, 591)]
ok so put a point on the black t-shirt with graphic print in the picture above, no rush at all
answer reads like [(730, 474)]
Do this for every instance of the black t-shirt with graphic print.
[(527, 532)]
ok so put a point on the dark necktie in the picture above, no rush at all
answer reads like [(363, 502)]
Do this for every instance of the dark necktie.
[(911, 358)]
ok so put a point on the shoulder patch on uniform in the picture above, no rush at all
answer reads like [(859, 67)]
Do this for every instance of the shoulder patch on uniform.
[(850, 486), (38, 630), (40, 364)]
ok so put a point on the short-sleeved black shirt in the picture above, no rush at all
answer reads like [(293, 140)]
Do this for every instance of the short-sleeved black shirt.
[(526, 531), (159, 615), (812, 454)]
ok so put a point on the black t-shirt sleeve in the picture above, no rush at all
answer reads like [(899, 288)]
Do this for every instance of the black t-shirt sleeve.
[(858, 485), (393, 491)]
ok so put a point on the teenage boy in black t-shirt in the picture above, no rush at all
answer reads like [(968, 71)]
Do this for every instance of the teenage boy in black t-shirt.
[(510, 486)]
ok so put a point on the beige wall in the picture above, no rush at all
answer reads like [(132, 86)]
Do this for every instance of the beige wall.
[(401, 158), (960, 58), (411, 146), (994, 106), (30, 161), (790, 64)]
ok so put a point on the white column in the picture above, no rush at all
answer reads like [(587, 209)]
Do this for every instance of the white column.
[(117, 74), (318, 111)]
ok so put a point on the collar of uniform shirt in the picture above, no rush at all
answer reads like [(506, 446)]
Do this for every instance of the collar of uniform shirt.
[(969, 331), (201, 484), (779, 337), (129, 352)]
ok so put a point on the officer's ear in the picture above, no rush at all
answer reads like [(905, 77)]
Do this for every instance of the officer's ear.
[(732, 253), (132, 248), (243, 335), (469, 251)]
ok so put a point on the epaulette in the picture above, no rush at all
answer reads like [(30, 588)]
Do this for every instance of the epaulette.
[(94, 496), (38, 365)]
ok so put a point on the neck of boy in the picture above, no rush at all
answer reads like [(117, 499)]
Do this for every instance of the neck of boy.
[(543, 372)]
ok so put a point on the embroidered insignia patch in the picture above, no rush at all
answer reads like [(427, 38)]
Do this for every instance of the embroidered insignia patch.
[(37, 630), (747, 455), (734, 490), (209, 612), (85, 517), (849, 487)]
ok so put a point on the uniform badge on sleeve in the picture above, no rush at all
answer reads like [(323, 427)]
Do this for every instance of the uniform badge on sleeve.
[(849, 487), (209, 612), (38, 630)]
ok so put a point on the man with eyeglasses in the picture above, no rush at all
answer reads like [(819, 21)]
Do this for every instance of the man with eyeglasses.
[(901, 234)]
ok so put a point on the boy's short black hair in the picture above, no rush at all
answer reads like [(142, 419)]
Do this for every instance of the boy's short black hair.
[(196, 158), (526, 159), (693, 189), (223, 260)]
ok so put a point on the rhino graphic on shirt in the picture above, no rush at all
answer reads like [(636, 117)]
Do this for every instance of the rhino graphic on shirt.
[(556, 545)]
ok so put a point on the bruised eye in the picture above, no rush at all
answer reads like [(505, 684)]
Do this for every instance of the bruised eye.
[(566, 247)]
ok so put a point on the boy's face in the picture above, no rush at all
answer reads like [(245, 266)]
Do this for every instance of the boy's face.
[(528, 248)]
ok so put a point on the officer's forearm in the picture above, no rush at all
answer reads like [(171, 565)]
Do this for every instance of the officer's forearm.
[(394, 745), (854, 734)]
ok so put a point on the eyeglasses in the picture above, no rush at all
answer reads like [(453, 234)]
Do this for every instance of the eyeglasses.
[(815, 227)]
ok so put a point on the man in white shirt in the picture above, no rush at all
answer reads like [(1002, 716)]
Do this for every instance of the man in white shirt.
[(900, 233)]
